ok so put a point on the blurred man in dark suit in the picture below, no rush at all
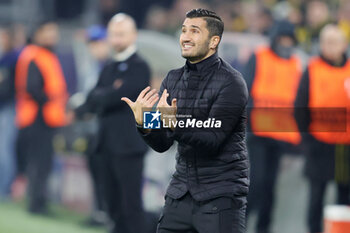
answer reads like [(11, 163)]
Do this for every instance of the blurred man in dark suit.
[(119, 144)]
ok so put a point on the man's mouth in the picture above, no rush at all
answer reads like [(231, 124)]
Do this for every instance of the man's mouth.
[(187, 46)]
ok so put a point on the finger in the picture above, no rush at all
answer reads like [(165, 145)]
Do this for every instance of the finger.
[(128, 101), (143, 92), (173, 103), (149, 94), (163, 97), (152, 98), (153, 101)]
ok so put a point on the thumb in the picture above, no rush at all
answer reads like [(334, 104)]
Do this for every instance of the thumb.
[(173, 103), (128, 101), (163, 96)]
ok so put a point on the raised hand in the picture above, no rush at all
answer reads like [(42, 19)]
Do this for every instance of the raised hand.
[(146, 99), (164, 104), (168, 111)]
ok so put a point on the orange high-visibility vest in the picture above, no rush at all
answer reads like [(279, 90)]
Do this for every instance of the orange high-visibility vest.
[(54, 88), (273, 93), (329, 102)]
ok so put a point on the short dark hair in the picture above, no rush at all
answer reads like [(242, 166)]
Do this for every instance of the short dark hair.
[(214, 23)]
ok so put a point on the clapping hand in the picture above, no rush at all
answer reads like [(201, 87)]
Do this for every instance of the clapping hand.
[(146, 99)]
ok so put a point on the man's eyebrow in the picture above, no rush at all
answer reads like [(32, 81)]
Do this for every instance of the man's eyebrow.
[(194, 26)]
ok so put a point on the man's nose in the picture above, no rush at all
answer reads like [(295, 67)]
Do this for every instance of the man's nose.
[(185, 37)]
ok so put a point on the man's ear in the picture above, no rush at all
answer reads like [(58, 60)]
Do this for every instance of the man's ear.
[(214, 42)]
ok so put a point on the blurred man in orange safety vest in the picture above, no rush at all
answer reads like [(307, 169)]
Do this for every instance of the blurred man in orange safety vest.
[(322, 112), (41, 98), (273, 74)]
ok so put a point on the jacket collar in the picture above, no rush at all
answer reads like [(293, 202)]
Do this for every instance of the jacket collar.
[(341, 64), (203, 65), (126, 54)]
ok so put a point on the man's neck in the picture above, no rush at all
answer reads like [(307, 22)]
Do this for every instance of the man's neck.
[(210, 53), (125, 54), (339, 61), (335, 62), (44, 46)]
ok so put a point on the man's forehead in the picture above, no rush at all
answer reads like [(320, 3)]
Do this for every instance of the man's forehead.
[(195, 22), (334, 36), (332, 32), (121, 26), (117, 23)]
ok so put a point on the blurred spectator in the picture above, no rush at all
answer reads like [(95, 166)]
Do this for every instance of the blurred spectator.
[(344, 18), (41, 98), (122, 149), (92, 53), (281, 10), (98, 47), (157, 19), (257, 18), (323, 96), (272, 75), (12, 40), (295, 16), (108, 8), (231, 14), (317, 15), (90, 48)]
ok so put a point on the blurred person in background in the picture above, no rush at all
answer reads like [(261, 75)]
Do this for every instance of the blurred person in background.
[(12, 40), (273, 74), (231, 13), (321, 105), (41, 96), (208, 190), (257, 18), (156, 19), (344, 18), (118, 143), (316, 16), (92, 52)]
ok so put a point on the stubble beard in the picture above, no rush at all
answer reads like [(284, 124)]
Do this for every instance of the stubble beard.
[(202, 52)]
